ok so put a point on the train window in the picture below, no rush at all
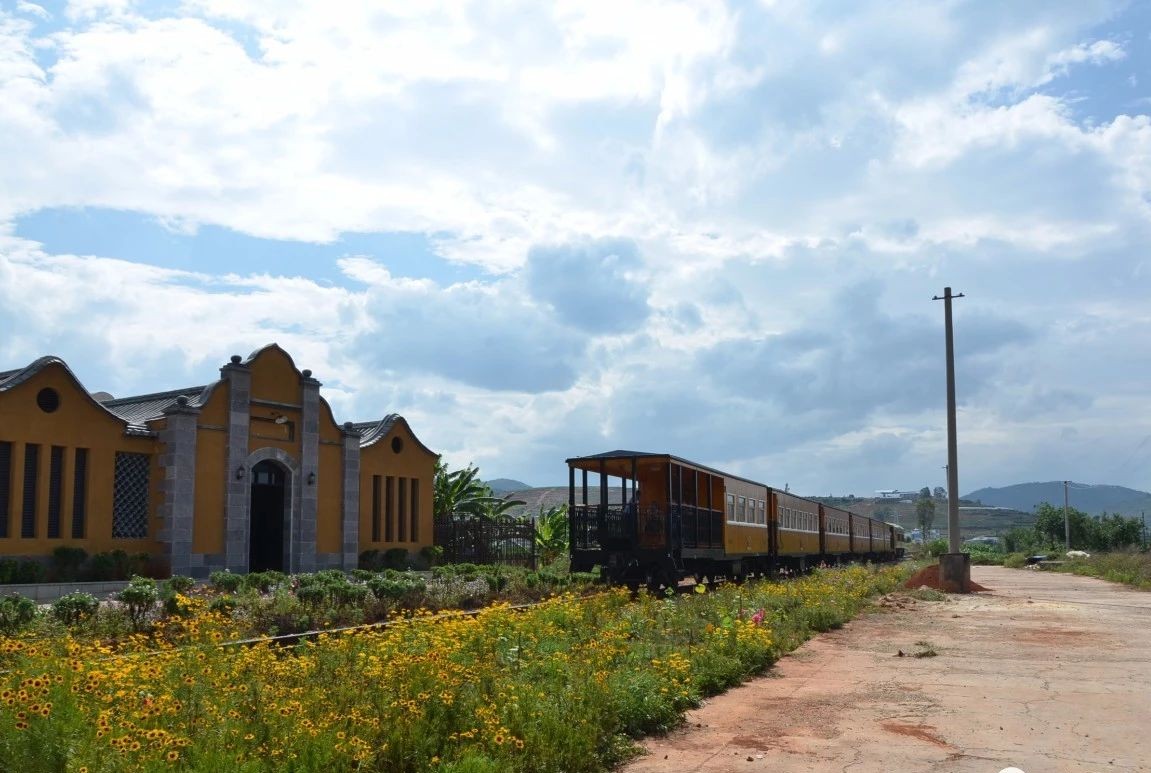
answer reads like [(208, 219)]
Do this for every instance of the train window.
[(762, 519), (741, 513), (731, 507)]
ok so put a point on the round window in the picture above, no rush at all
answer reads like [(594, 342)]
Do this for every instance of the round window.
[(397, 444), (48, 399)]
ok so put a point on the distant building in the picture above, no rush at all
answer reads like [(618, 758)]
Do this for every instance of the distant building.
[(250, 472)]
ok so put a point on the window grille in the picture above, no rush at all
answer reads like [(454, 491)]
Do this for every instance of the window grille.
[(31, 473), (130, 496), (55, 490), (5, 485), (79, 492)]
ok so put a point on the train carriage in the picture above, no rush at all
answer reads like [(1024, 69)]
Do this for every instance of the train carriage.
[(797, 523), (836, 529), (654, 519)]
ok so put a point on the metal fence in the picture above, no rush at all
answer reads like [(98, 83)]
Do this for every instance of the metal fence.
[(471, 540)]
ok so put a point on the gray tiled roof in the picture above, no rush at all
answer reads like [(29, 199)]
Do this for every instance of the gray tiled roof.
[(140, 409)]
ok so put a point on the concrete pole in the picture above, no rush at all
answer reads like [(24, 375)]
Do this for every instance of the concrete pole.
[(955, 567), (953, 541)]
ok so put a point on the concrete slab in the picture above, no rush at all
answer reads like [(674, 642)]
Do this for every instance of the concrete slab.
[(1047, 672)]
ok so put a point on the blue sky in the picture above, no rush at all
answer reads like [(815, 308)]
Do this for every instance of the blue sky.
[(543, 230)]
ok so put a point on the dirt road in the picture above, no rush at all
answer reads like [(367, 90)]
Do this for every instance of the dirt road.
[(1047, 672)]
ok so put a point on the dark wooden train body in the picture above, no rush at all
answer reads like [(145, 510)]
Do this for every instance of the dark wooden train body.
[(655, 519)]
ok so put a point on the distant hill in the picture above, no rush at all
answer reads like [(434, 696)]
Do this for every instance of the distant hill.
[(1090, 499), (501, 486)]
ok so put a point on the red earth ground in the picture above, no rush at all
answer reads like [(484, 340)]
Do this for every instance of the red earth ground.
[(1046, 672)]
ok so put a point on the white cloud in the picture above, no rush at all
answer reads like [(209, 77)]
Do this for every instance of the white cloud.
[(756, 159)]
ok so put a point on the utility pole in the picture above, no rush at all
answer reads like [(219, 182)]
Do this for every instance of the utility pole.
[(1143, 518), (1066, 517), (955, 571)]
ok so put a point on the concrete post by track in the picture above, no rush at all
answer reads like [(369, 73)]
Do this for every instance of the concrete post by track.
[(954, 566)]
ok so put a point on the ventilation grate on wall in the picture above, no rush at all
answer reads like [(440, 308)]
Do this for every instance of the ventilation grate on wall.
[(130, 496)]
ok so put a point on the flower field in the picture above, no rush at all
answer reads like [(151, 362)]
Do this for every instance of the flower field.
[(563, 686)]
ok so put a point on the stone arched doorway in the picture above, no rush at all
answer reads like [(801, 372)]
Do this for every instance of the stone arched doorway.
[(269, 517)]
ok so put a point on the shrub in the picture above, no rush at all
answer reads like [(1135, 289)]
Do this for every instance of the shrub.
[(371, 560), (115, 565), (226, 581), (431, 555), (224, 605), (16, 614), (138, 599), (74, 608), (348, 595), (66, 562), (263, 582), (362, 575), (1015, 561), (396, 558), (179, 583), (937, 547)]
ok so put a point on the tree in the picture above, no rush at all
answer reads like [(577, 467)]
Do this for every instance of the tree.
[(1108, 532), (925, 512), (552, 532), (940, 493), (462, 492)]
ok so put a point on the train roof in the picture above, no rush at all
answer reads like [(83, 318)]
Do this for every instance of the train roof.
[(575, 461)]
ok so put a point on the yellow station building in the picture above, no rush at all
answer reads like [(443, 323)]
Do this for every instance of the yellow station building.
[(250, 472)]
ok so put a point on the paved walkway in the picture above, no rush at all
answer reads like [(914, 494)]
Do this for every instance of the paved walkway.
[(1047, 672)]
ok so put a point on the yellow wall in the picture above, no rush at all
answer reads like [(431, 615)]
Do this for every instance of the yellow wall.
[(77, 423), (412, 462)]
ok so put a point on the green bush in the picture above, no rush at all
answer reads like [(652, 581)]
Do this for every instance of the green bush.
[(396, 558), (1015, 561), (225, 605), (66, 562), (139, 598), (16, 614), (179, 583), (263, 582), (226, 581), (115, 565), (431, 555), (74, 608), (936, 547)]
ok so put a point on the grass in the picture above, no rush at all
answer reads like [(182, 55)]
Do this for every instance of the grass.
[(564, 686), (1133, 569)]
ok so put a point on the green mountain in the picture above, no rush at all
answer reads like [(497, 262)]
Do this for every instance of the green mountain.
[(1090, 499), (501, 486)]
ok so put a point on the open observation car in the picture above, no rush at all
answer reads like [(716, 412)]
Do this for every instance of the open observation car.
[(654, 519)]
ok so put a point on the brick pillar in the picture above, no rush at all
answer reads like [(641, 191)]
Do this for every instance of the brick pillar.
[(350, 531), (239, 489), (303, 548), (178, 459)]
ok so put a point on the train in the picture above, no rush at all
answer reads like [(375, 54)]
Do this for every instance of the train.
[(676, 519)]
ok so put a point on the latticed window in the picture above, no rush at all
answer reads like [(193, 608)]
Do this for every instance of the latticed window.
[(130, 496)]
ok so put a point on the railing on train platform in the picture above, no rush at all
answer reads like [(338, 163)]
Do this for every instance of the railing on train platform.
[(472, 540), (623, 527)]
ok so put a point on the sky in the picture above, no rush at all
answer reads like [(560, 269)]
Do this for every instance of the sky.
[(544, 230)]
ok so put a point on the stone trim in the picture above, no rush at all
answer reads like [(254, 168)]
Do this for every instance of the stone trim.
[(178, 460), (238, 491), (350, 531), (304, 546)]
